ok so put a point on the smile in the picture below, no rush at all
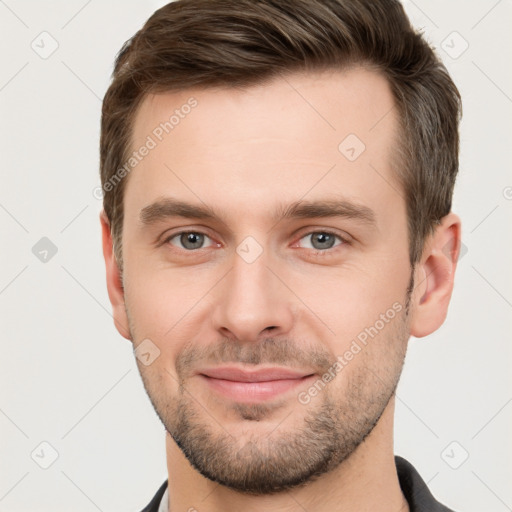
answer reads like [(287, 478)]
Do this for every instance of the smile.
[(254, 386)]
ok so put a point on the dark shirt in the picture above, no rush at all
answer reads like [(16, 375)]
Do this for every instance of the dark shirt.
[(413, 487)]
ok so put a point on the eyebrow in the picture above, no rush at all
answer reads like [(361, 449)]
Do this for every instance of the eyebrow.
[(166, 208)]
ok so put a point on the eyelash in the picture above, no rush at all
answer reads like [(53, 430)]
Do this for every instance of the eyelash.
[(328, 251), (316, 252)]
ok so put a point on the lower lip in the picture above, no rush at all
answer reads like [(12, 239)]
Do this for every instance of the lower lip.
[(254, 391)]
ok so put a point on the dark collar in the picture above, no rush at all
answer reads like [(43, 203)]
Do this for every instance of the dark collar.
[(155, 502), (415, 490)]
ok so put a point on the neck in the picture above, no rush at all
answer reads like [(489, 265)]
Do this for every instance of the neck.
[(366, 481)]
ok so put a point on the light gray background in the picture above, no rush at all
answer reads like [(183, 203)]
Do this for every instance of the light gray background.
[(66, 376)]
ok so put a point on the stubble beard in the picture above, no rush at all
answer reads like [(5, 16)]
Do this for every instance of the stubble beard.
[(332, 426)]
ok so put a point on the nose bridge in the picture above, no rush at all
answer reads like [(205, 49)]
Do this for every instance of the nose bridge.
[(252, 299)]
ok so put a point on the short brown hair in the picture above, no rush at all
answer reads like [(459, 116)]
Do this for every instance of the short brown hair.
[(239, 43)]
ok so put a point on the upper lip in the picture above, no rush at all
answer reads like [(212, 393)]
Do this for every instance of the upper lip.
[(261, 375)]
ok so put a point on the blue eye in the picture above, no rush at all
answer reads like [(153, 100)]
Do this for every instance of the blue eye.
[(322, 240), (189, 240)]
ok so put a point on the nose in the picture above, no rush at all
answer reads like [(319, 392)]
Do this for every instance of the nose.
[(252, 302)]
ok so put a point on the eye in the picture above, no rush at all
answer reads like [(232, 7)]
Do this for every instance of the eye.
[(189, 240), (321, 240)]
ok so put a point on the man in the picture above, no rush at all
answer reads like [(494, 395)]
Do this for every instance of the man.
[(277, 223)]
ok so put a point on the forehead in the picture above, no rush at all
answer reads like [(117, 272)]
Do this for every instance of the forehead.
[(295, 135)]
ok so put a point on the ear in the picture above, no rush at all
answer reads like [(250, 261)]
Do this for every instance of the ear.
[(434, 275), (114, 281)]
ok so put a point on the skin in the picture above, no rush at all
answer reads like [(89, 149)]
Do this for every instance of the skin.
[(254, 151)]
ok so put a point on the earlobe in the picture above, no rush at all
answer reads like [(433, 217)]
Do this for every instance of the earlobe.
[(434, 277), (114, 281)]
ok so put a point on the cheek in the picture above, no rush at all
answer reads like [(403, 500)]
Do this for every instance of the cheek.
[(167, 306), (159, 298), (355, 305)]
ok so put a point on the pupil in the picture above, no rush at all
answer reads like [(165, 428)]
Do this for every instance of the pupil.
[(191, 240), (324, 240)]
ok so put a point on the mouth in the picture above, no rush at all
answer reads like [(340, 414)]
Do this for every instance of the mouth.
[(253, 386)]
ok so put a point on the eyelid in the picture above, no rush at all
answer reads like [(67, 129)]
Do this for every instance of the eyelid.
[(168, 235), (345, 238)]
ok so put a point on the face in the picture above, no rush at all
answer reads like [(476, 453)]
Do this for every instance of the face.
[(266, 273)]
